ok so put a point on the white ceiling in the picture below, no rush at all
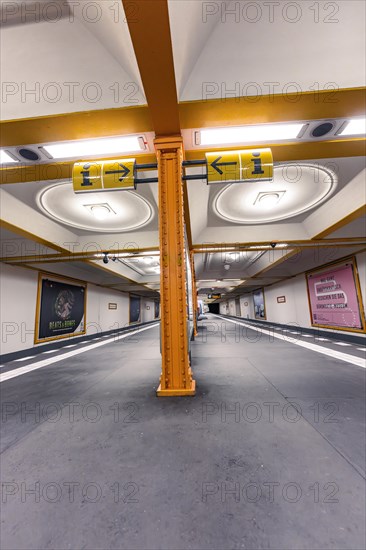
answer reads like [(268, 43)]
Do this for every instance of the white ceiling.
[(213, 53), (74, 64), (226, 49), (83, 59)]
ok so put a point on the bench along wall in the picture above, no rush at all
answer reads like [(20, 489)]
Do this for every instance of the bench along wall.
[(18, 309)]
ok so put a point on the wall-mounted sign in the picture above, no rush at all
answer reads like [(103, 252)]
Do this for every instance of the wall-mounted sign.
[(239, 166), (259, 305), (60, 311), (112, 305), (281, 299), (335, 297), (214, 296), (103, 175)]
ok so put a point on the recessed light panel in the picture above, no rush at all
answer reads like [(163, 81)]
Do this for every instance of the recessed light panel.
[(268, 199), (355, 127), (5, 158), (250, 134), (91, 147), (100, 211)]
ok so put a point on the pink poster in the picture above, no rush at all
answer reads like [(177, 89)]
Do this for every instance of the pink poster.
[(333, 298)]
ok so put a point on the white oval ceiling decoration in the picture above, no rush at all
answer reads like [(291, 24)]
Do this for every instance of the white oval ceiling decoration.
[(99, 212), (296, 188)]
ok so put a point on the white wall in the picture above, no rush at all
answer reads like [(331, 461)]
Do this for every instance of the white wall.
[(147, 314), (247, 307), (232, 310), (18, 295), (295, 310)]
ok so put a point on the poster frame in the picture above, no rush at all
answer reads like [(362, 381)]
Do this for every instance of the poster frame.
[(339, 263), (138, 322), (61, 279), (264, 304)]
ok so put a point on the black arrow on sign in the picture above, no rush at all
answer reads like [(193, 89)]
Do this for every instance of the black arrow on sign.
[(125, 171), (215, 165)]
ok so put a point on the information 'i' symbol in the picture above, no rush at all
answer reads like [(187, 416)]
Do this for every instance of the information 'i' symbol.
[(257, 164)]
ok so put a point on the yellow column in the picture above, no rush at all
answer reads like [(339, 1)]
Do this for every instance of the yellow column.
[(194, 292), (176, 375)]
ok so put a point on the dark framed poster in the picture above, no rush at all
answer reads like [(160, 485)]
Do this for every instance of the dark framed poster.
[(259, 304), (335, 297), (157, 310), (135, 309), (61, 308)]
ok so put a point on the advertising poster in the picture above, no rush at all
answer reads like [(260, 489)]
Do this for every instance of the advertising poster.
[(334, 298), (135, 309), (60, 309), (259, 306)]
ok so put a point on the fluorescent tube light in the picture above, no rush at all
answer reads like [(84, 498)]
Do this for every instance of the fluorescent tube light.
[(354, 127), (5, 158), (250, 134), (89, 147)]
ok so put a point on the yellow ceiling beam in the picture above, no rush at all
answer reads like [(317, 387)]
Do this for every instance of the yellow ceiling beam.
[(149, 28), (31, 236), (210, 248), (301, 150), (76, 256), (345, 102), (341, 223), (193, 114), (63, 252), (71, 126)]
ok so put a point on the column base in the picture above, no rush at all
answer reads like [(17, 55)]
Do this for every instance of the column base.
[(177, 392)]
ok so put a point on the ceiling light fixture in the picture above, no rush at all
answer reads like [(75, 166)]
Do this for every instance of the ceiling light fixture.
[(88, 147), (268, 199), (354, 127), (231, 258), (250, 134), (100, 211), (5, 158)]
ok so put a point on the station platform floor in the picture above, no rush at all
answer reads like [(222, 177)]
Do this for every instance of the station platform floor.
[(269, 454)]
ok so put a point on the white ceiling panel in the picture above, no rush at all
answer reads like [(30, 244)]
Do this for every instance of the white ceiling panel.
[(226, 49), (81, 61)]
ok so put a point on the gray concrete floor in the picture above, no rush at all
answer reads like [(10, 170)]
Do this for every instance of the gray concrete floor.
[(268, 455)]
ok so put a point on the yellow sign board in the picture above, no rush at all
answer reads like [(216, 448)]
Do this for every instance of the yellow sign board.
[(239, 166), (103, 175)]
